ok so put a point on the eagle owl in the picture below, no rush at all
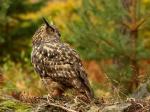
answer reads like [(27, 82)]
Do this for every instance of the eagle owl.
[(56, 62)]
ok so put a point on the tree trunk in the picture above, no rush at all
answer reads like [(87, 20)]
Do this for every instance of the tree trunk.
[(134, 37)]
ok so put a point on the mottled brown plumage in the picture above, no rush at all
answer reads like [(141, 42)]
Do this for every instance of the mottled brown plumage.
[(57, 63)]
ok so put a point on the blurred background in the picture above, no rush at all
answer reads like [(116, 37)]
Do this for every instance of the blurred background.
[(111, 36)]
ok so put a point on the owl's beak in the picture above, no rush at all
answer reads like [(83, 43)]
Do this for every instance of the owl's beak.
[(47, 24)]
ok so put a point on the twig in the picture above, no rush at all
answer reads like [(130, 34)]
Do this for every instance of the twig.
[(62, 107)]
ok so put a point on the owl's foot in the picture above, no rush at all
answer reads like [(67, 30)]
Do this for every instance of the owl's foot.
[(82, 98), (57, 92), (55, 95)]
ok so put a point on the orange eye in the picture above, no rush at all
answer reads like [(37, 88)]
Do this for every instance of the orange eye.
[(50, 30)]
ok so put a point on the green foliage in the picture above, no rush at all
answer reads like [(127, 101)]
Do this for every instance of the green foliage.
[(10, 105), (15, 32), (15, 45), (20, 77), (99, 35), (94, 28), (95, 33)]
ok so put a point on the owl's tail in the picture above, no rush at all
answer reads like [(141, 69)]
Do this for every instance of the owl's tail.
[(88, 90)]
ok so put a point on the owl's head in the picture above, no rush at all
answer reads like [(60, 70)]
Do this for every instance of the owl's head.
[(46, 33)]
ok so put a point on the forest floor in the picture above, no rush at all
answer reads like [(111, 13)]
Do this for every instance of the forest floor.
[(139, 101), (69, 104)]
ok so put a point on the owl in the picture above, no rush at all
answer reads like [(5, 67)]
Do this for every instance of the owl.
[(58, 65)]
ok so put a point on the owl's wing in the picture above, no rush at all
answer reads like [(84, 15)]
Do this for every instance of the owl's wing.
[(73, 59)]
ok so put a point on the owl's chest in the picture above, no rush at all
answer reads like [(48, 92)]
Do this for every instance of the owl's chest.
[(44, 55), (37, 56), (44, 60), (37, 61)]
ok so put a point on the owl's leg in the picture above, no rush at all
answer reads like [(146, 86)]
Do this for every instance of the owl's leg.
[(47, 83), (55, 95), (58, 90), (55, 90)]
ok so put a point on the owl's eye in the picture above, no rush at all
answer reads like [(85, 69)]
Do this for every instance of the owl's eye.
[(50, 29)]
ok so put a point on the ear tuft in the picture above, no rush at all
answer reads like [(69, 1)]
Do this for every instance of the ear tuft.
[(45, 21), (47, 24)]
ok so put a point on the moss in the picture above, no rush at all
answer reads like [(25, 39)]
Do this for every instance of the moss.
[(11, 105)]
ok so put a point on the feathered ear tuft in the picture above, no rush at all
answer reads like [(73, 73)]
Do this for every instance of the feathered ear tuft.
[(45, 21), (47, 24)]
